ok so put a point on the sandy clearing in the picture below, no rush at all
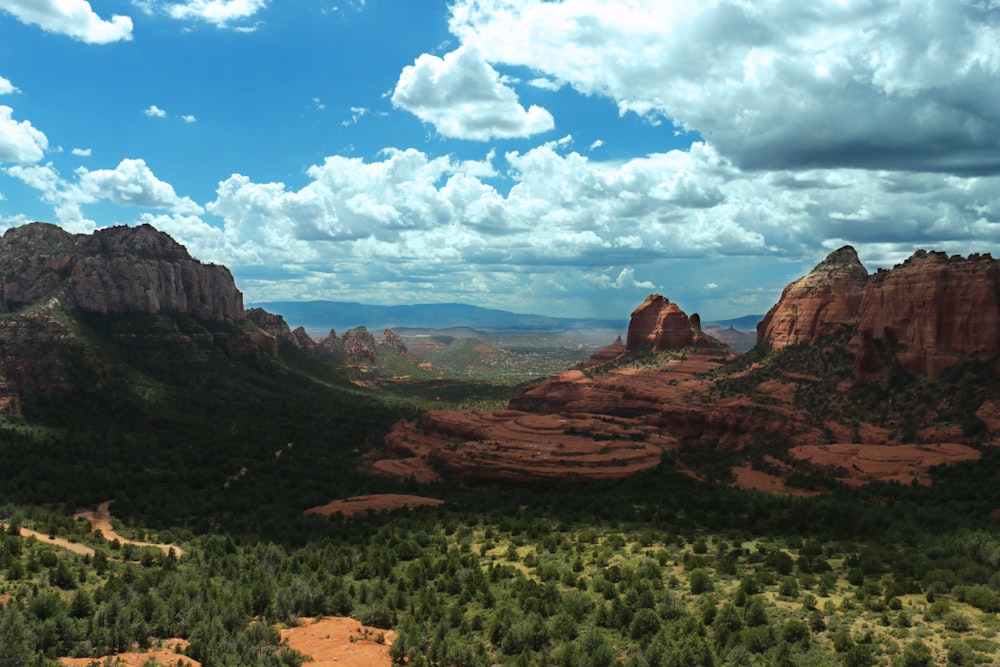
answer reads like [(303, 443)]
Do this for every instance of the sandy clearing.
[(166, 656), (382, 502), (340, 642)]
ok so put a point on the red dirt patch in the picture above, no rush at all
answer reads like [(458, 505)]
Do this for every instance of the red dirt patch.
[(749, 479), (383, 502), (867, 463), (414, 467), (340, 642), (165, 656)]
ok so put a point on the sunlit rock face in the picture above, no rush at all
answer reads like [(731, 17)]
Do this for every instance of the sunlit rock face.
[(659, 324), (929, 312), (817, 304), (926, 313)]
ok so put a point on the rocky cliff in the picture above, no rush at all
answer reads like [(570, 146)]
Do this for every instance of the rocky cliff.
[(112, 271), (51, 280), (927, 313), (817, 304), (930, 312)]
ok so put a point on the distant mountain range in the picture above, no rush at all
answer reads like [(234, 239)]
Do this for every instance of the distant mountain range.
[(321, 316), (318, 317)]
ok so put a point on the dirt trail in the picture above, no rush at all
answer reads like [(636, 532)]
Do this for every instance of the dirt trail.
[(100, 519), (380, 502), (75, 547)]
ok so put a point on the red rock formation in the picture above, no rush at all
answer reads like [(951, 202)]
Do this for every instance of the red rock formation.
[(604, 355), (659, 324), (392, 340), (359, 345), (818, 303), (926, 313), (930, 311)]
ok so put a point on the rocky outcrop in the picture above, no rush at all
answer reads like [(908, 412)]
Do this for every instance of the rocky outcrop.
[(926, 313), (604, 355), (659, 324), (359, 345), (112, 271), (930, 312), (827, 298), (393, 341)]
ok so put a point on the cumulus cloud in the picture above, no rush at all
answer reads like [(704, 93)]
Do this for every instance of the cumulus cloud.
[(154, 111), (74, 18), (571, 228), (894, 85), (20, 142), (6, 87), (221, 13), (130, 184), (463, 97), (625, 280), (189, 118), (82, 152)]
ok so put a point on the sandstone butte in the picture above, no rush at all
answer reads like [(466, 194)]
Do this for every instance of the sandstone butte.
[(602, 421)]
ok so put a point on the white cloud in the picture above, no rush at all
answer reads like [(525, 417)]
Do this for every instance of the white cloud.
[(545, 84), (357, 113), (463, 97), (82, 152), (625, 280), (411, 224), (189, 118), (74, 18), (155, 112), (131, 183), (898, 85), (221, 13), (6, 87), (40, 177), (19, 141)]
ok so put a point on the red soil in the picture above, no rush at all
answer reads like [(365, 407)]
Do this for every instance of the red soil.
[(340, 642), (165, 656), (749, 479), (383, 502)]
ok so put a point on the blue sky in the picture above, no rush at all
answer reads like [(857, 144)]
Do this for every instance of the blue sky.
[(565, 157)]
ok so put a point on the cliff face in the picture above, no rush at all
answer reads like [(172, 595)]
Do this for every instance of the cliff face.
[(49, 277), (816, 304), (113, 271), (927, 313)]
